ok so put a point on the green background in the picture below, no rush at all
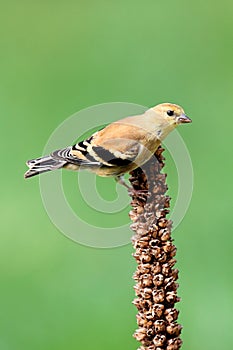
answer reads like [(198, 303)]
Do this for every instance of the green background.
[(58, 57)]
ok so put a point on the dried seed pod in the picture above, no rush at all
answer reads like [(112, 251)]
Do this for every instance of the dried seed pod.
[(156, 268), (137, 303), (159, 340), (174, 328), (138, 290), (148, 314), (168, 247), (140, 334), (146, 304), (171, 297), (150, 333), (145, 257), (162, 222), (166, 269), (146, 293), (171, 314), (146, 280), (169, 283), (158, 295), (141, 321), (173, 251), (158, 280), (174, 344), (154, 243), (175, 274), (160, 325), (144, 268), (140, 244), (157, 310), (165, 234), (162, 257), (156, 252)]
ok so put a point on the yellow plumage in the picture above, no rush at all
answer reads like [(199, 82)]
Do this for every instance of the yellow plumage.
[(118, 148)]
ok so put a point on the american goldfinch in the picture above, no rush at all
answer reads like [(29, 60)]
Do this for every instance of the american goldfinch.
[(120, 147)]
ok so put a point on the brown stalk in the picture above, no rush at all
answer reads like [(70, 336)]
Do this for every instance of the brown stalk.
[(155, 276)]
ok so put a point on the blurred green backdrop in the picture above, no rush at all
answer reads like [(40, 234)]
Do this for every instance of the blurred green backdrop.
[(58, 57)]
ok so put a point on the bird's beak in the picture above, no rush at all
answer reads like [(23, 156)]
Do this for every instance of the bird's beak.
[(184, 119)]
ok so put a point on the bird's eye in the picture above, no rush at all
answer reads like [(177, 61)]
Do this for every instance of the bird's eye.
[(170, 113)]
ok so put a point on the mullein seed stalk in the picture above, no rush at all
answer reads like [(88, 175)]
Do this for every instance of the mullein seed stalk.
[(155, 276)]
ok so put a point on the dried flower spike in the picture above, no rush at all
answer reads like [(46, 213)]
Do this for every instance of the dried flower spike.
[(155, 277)]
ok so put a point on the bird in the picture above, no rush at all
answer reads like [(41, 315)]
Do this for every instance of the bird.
[(118, 148)]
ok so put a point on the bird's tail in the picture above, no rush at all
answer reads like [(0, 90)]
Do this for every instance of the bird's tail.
[(42, 165)]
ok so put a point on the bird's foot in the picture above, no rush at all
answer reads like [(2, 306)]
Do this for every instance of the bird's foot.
[(120, 180), (138, 193), (131, 190)]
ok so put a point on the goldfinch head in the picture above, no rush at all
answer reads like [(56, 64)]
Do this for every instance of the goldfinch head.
[(173, 114)]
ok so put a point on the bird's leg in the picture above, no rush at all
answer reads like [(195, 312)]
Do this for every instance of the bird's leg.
[(120, 179)]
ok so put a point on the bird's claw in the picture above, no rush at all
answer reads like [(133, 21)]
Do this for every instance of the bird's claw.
[(138, 193)]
